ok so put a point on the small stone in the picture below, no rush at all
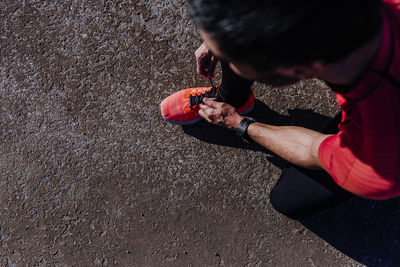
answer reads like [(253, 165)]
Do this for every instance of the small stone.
[(15, 258)]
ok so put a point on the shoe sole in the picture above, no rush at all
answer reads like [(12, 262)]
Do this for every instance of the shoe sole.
[(184, 123)]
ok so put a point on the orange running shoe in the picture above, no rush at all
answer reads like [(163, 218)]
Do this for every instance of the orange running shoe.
[(182, 107)]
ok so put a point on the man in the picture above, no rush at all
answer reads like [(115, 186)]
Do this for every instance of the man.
[(353, 45)]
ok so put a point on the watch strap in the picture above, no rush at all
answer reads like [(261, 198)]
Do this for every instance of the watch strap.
[(241, 130)]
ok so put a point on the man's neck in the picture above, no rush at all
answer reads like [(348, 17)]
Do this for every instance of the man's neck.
[(348, 71)]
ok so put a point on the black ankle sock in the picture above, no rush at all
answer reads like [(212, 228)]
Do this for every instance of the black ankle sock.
[(236, 99), (234, 89)]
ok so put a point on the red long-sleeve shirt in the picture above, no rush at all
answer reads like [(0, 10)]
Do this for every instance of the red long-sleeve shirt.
[(364, 157)]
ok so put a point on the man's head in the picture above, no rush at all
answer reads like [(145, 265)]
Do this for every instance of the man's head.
[(260, 36)]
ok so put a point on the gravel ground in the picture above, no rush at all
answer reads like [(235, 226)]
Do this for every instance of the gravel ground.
[(91, 174)]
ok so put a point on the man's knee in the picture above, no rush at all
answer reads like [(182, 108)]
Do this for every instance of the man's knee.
[(283, 204), (299, 196)]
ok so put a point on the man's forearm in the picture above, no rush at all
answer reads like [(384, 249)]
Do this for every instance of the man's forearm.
[(295, 144)]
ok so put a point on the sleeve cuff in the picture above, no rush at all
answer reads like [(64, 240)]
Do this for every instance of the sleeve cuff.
[(325, 152)]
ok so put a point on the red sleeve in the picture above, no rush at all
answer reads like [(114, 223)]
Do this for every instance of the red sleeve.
[(352, 174), (325, 152), (393, 2)]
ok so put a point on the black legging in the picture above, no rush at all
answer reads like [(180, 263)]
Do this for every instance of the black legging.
[(299, 193)]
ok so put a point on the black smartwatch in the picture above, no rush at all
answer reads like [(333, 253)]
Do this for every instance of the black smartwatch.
[(241, 130)]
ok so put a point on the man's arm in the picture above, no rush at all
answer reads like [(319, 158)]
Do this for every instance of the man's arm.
[(295, 144)]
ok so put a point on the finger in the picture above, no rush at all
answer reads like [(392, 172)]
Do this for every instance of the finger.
[(204, 116), (211, 102), (209, 112), (206, 99), (211, 66), (206, 109), (205, 66), (199, 62), (205, 69), (214, 115)]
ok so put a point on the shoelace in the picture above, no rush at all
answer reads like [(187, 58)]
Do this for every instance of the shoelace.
[(197, 99)]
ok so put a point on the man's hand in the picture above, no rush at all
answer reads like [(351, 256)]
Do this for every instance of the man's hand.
[(206, 61), (220, 113)]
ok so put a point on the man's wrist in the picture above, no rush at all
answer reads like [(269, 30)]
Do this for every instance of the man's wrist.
[(242, 128), (238, 119)]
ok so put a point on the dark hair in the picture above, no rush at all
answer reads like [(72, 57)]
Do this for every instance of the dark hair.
[(274, 33)]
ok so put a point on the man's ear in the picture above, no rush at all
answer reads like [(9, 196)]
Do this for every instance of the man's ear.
[(302, 72)]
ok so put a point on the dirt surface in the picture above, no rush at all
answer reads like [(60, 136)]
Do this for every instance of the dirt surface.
[(91, 174)]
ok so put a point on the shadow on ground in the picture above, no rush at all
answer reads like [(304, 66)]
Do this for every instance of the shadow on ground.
[(365, 230)]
